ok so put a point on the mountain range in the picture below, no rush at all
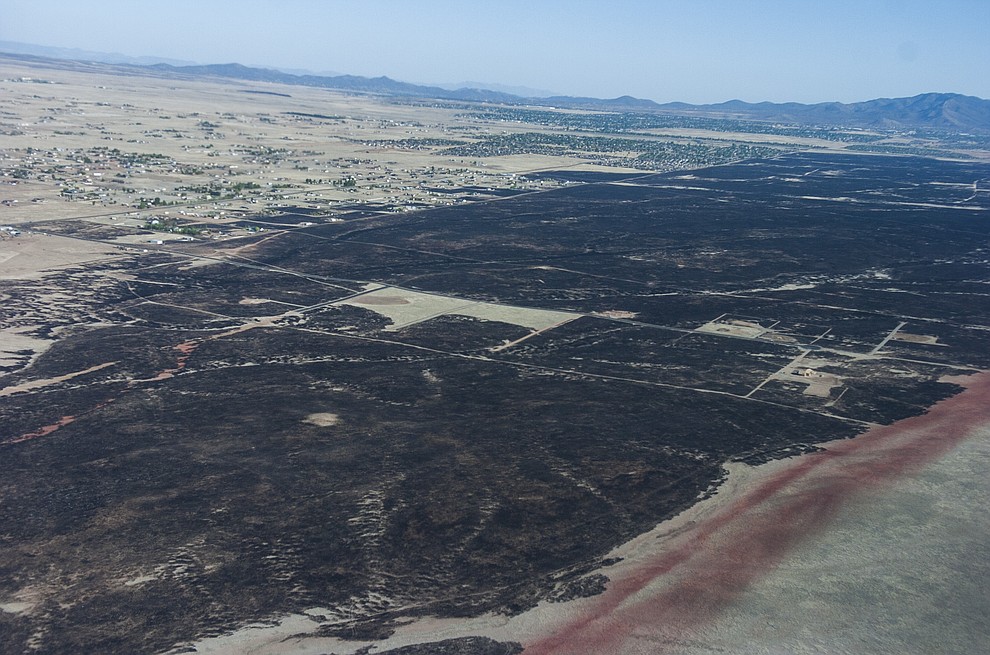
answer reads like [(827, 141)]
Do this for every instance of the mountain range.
[(940, 111)]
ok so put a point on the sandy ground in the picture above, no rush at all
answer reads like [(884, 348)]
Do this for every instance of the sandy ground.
[(41, 384), (13, 342), (34, 255), (404, 308), (903, 571), (876, 545)]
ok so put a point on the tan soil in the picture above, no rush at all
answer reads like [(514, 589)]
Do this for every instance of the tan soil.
[(322, 419)]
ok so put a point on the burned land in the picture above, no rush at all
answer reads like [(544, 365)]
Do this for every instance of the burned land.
[(458, 410)]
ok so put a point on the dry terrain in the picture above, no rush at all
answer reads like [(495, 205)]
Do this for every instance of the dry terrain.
[(288, 370)]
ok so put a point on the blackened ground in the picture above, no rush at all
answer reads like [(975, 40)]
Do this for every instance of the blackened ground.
[(249, 449)]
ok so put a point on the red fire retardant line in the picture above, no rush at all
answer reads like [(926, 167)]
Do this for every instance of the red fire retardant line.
[(44, 431), (48, 429), (186, 349), (686, 585)]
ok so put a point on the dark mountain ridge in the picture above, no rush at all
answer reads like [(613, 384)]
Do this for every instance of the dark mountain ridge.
[(950, 111), (941, 111)]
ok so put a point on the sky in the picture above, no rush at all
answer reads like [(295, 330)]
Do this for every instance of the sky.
[(698, 51)]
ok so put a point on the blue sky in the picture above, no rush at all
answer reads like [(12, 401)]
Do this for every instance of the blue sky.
[(686, 50)]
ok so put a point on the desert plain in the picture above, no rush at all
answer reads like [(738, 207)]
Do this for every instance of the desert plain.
[(289, 370)]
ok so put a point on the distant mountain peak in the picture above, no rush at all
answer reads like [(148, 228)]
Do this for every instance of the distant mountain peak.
[(76, 54), (933, 110), (950, 111), (521, 91)]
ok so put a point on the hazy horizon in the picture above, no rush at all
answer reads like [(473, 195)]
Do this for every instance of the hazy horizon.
[(707, 51)]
